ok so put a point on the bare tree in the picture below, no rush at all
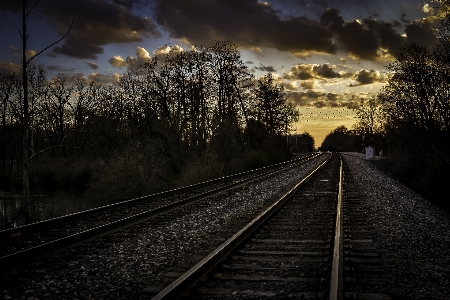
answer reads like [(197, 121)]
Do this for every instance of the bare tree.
[(25, 103), (371, 120), (7, 82)]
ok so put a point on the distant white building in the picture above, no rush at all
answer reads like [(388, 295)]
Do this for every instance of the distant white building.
[(370, 152)]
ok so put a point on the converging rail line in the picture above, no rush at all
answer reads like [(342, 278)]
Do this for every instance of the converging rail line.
[(22, 244), (299, 247)]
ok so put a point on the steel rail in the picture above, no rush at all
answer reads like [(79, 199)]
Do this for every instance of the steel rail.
[(336, 285), (177, 288), (30, 228), (55, 245)]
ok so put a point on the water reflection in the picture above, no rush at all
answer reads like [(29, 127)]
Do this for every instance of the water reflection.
[(15, 212)]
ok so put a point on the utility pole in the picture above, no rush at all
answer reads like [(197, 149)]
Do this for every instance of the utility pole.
[(287, 134), (26, 113), (25, 105)]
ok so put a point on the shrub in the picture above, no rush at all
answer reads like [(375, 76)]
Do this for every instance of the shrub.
[(61, 173), (199, 170), (128, 174)]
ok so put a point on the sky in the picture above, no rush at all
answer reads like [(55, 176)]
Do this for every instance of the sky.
[(328, 54)]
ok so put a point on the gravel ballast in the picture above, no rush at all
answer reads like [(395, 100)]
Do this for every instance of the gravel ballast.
[(125, 269), (412, 235)]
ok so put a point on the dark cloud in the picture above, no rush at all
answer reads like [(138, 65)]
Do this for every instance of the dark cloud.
[(333, 100), (404, 19), (319, 104), (364, 38), (387, 37), (333, 96), (353, 36), (364, 77), (308, 84), (301, 71), (421, 32), (321, 99), (251, 24), (59, 69), (248, 23), (269, 69), (396, 24), (93, 66), (249, 62), (310, 71), (314, 95), (56, 68), (325, 71), (97, 23), (298, 98), (305, 98)]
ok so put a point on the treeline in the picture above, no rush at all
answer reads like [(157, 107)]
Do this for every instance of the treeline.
[(410, 118), (409, 121), (181, 117), (343, 140), (414, 113)]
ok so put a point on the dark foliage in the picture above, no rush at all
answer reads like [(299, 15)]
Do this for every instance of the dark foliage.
[(181, 118), (342, 140)]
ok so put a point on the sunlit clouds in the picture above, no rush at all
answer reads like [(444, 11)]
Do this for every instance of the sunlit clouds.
[(117, 61), (327, 54), (368, 77)]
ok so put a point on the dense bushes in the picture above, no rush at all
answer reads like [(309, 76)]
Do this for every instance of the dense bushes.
[(129, 174), (420, 162)]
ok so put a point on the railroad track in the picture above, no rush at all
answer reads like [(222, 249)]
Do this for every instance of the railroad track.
[(310, 244), (23, 244)]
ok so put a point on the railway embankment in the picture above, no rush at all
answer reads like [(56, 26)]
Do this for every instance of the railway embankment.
[(411, 233)]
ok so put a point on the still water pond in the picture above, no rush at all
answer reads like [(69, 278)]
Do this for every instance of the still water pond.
[(14, 212)]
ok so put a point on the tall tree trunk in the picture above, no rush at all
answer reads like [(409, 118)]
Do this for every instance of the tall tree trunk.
[(26, 116)]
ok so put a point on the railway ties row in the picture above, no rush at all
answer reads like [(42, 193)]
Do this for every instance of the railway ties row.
[(288, 256), (33, 240), (294, 253), (287, 251), (363, 271)]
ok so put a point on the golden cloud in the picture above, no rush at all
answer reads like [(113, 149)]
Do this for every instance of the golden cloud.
[(117, 61)]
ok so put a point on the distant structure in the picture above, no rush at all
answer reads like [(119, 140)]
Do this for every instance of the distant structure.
[(370, 152)]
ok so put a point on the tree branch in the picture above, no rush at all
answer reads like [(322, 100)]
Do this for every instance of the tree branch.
[(31, 157), (31, 8), (73, 21)]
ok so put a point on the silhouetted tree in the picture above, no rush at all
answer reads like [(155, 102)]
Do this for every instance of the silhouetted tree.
[(341, 139), (302, 143), (270, 106), (416, 103), (371, 120)]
